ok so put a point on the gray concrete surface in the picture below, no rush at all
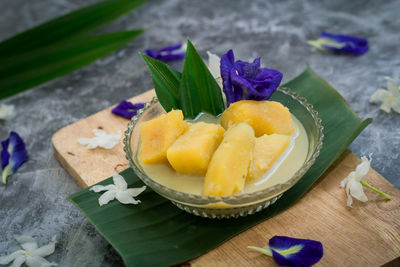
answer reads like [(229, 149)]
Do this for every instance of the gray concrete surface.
[(34, 201)]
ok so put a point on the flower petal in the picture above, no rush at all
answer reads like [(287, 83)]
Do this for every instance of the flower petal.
[(353, 45), (46, 250), (101, 139), (136, 191), (243, 80), (119, 181), (214, 64), (26, 242), (396, 105), (18, 261), (9, 258), (108, 141), (322, 43), (13, 155), (172, 52), (99, 188), (349, 198), (127, 109), (265, 250), (379, 96), (7, 112), (344, 182), (37, 261), (226, 66), (289, 251), (357, 191), (390, 98), (126, 198), (392, 86), (363, 168), (18, 152), (106, 197), (91, 142), (248, 70), (238, 87), (386, 106)]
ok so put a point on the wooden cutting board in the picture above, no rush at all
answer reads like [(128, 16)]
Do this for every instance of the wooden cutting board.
[(366, 235)]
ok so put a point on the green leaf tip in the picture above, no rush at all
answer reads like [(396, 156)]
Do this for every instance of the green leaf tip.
[(193, 91), (166, 82), (199, 89)]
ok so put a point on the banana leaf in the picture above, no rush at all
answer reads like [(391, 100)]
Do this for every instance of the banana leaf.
[(156, 233)]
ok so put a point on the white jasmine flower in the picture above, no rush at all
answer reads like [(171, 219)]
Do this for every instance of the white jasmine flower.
[(7, 112), (390, 98), (102, 139), (214, 64), (354, 184), (118, 190), (31, 255)]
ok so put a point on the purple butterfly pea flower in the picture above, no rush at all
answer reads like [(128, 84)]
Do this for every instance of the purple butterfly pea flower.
[(169, 53), (243, 80), (341, 43), (13, 155), (288, 251), (127, 109)]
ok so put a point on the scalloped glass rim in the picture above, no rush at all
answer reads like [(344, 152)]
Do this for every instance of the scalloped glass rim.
[(236, 201)]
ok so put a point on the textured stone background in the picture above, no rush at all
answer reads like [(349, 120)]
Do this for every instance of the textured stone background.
[(34, 200)]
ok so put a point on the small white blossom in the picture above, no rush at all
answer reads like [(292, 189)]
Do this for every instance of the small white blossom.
[(214, 64), (7, 112), (352, 182), (118, 190), (102, 139), (390, 98), (31, 255), (183, 47)]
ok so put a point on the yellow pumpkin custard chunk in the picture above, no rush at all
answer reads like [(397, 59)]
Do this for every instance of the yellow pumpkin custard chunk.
[(227, 171), (266, 117), (192, 151), (267, 150), (158, 134)]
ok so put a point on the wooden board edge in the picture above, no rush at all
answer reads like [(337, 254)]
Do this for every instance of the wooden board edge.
[(149, 94), (68, 168)]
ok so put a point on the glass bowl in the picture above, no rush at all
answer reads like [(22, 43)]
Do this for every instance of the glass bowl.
[(240, 204)]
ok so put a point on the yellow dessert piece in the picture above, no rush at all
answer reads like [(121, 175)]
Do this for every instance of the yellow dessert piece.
[(266, 117), (192, 151), (267, 150), (158, 134), (227, 171)]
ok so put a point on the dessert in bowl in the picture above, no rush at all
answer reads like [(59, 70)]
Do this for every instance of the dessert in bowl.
[(246, 166)]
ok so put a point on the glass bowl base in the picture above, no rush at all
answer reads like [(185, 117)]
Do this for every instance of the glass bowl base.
[(227, 213)]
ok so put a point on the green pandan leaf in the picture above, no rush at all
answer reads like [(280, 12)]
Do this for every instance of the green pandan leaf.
[(166, 82), (193, 91), (61, 45), (32, 68), (198, 90), (78, 22), (156, 233)]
